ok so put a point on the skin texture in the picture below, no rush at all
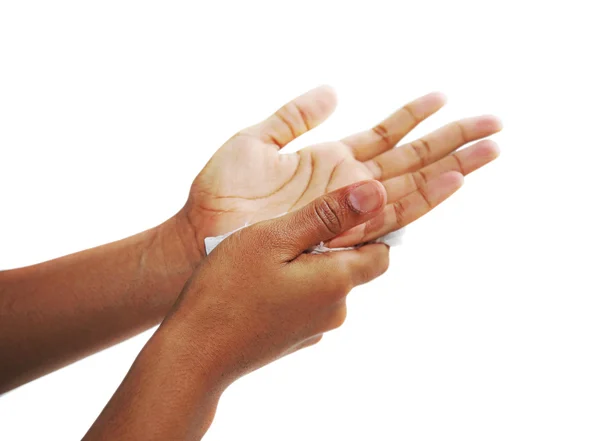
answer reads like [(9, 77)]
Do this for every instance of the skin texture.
[(57, 312), (256, 298)]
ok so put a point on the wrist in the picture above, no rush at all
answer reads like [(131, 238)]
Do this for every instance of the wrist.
[(165, 395), (172, 249), (188, 218), (200, 352)]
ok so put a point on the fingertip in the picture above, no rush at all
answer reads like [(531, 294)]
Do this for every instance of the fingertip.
[(326, 88), (499, 122), (491, 123), (428, 104), (489, 148), (437, 96), (327, 94), (452, 179)]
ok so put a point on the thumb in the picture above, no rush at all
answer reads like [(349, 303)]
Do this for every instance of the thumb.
[(330, 215)]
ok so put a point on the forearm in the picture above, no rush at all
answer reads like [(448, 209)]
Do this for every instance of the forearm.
[(59, 311), (170, 392)]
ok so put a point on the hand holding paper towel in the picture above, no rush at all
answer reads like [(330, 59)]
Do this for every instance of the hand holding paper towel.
[(266, 296)]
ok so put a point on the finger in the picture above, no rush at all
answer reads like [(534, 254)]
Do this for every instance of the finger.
[(346, 269), (295, 118), (431, 147), (365, 263), (402, 212), (463, 161), (385, 135), (324, 218), (353, 267)]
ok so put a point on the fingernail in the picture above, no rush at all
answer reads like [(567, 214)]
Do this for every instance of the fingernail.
[(366, 197)]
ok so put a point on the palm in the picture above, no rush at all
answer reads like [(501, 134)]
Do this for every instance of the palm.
[(248, 179)]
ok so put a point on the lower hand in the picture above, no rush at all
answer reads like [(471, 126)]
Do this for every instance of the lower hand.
[(258, 296)]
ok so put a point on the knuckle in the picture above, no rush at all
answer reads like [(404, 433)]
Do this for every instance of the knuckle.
[(302, 115), (382, 132), (338, 317), (419, 179), (377, 264), (400, 211), (285, 118), (422, 150), (459, 164), (328, 213), (295, 118), (461, 131), (382, 263), (425, 198), (375, 167), (410, 112), (372, 226)]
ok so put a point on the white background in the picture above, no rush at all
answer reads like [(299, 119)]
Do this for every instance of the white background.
[(486, 326)]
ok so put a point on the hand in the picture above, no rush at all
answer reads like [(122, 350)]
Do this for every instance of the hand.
[(249, 179), (258, 297)]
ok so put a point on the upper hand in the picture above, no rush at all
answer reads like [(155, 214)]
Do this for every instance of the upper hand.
[(249, 179)]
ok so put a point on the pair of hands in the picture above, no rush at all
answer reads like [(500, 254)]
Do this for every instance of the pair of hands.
[(258, 296)]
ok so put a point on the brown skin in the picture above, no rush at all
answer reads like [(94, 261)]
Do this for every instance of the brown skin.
[(57, 312), (255, 299)]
